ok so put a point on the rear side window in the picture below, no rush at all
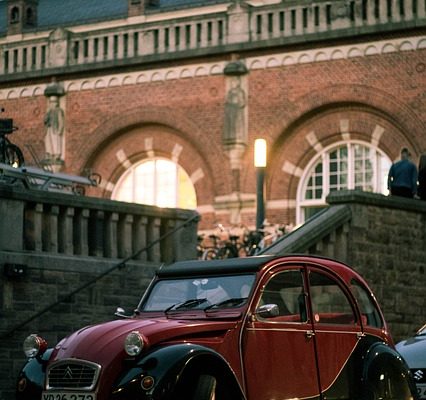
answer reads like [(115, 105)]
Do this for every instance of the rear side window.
[(330, 305), (370, 313)]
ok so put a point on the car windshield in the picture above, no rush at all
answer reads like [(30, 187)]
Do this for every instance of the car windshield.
[(207, 292)]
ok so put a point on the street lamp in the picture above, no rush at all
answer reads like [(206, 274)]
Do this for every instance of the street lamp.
[(260, 164)]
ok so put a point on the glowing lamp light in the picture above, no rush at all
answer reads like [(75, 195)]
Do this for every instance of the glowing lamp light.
[(260, 153)]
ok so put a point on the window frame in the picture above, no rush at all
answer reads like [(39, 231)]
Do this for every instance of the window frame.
[(378, 182)]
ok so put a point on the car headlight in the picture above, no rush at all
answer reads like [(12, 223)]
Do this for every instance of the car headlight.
[(34, 345), (133, 343)]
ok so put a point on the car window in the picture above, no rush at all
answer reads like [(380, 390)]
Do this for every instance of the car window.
[(370, 313), (330, 305), (285, 289)]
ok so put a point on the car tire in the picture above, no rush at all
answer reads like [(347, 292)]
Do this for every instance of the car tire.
[(205, 388), (388, 382)]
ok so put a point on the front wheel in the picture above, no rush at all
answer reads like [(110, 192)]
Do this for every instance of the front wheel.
[(205, 388)]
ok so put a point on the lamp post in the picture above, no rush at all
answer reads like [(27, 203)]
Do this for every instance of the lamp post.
[(260, 164)]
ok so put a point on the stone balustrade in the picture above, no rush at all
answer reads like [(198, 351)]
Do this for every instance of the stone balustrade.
[(59, 224), (236, 27)]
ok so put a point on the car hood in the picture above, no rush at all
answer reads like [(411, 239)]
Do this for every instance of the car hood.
[(104, 343), (413, 351)]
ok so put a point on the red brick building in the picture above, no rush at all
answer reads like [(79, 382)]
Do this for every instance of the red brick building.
[(172, 94)]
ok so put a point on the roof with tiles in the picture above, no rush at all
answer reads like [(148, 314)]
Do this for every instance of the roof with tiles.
[(60, 13)]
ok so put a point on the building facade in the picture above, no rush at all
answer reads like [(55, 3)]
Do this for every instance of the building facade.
[(164, 99)]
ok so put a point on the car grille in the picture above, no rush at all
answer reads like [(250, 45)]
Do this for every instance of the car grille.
[(72, 374)]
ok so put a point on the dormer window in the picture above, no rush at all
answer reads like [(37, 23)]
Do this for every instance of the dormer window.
[(29, 16), (14, 15)]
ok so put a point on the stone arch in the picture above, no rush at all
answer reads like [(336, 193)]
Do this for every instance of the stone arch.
[(170, 127)]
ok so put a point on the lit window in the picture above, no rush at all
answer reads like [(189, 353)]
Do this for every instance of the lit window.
[(158, 182), (349, 165)]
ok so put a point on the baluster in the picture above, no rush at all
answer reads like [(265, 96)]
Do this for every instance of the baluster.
[(110, 55), (140, 237), (154, 252), (110, 244), (168, 250), (125, 236), (396, 17), (65, 237), (33, 228), (91, 50), (81, 232), (50, 229)]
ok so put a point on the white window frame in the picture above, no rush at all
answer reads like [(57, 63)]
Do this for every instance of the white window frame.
[(324, 156)]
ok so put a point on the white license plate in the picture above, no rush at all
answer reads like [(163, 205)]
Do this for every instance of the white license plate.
[(421, 390), (68, 396)]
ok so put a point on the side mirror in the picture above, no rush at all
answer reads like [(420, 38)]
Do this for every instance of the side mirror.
[(268, 311), (119, 312)]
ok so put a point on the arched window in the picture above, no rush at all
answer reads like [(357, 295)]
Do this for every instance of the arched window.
[(349, 165), (14, 14), (158, 182), (30, 16)]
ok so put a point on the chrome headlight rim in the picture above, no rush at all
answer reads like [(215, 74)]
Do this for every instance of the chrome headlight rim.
[(34, 346), (134, 344)]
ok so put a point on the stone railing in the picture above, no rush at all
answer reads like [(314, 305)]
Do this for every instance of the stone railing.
[(42, 222), (236, 27)]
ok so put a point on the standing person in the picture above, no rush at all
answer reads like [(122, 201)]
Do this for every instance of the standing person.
[(402, 178), (421, 189)]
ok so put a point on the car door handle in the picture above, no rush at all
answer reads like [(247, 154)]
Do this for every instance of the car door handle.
[(309, 334)]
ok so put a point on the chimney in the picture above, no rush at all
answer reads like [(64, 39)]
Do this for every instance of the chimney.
[(138, 7)]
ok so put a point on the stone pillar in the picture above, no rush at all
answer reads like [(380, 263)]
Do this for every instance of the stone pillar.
[(125, 236), (154, 252), (238, 22), (66, 231), (111, 249), (12, 225), (81, 232), (58, 48), (139, 237)]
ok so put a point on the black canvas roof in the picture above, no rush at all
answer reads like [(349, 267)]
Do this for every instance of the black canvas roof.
[(229, 265)]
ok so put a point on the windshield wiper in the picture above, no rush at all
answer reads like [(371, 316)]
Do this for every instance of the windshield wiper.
[(186, 304), (234, 301)]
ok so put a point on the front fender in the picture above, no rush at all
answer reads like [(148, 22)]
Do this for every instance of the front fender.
[(31, 378), (171, 368)]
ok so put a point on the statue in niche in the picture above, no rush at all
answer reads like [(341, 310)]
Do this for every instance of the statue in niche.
[(234, 124), (54, 123)]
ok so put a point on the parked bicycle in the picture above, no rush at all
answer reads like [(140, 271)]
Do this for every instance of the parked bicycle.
[(10, 153)]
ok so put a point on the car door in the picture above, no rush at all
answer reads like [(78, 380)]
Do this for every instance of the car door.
[(278, 352), (336, 327)]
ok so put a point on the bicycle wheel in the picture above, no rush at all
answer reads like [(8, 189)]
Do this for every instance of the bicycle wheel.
[(209, 254), (13, 156)]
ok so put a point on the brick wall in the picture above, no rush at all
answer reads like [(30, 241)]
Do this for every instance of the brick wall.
[(285, 104)]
